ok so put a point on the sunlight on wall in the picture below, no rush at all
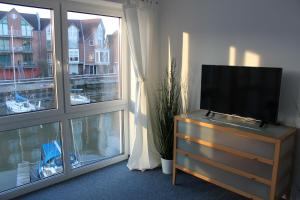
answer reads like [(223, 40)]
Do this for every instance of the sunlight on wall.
[(185, 69), (169, 54), (232, 55), (251, 59)]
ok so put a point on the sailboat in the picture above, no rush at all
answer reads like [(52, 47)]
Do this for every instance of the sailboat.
[(77, 98), (17, 103)]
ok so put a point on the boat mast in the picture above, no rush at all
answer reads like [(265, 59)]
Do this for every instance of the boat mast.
[(13, 56)]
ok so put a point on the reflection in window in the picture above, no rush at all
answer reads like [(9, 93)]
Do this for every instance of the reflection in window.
[(31, 154), (96, 138), (93, 56), (73, 37), (24, 58), (26, 28), (4, 26)]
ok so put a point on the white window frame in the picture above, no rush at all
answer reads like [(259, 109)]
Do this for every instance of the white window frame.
[(73, 54), (98, 57), (64, 111)]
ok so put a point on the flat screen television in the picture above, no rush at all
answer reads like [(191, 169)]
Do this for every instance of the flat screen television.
[(244, 91)]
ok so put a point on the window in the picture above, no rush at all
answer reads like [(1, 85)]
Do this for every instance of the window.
[(4, 45), (30, 154), (73, 55), (91, 42), (61, 114), (5, 61), (27, 59), (24, 63), (96, 137), (26, 28), (48, 37), (3, 26), (49, 57), (73, 35), (27, 45), (102, 56), (100, 35), (95, 88)]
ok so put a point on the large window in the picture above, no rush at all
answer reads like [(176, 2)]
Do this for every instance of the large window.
[(73, 35), (5, 61), (4, 44), (3, 26), (96, 137), (31, 154), (26, 28), (25, 60), (62, 112), (94, 83)]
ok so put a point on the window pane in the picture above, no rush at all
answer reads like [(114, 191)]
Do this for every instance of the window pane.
[(96, 138), (26, 77), (31, 154), (93, 43)]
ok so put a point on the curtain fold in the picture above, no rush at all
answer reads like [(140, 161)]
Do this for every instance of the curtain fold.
[(141, 23)]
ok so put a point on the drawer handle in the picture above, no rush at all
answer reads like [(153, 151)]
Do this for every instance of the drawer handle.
[(255, 159), (253, 179)]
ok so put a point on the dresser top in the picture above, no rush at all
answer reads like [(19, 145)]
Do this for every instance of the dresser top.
[(241, 124)]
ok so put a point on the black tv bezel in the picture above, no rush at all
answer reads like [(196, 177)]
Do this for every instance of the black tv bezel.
[(275, 118)]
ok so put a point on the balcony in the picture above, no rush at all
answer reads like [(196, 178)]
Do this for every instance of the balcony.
[(17, 34), (23, 49)]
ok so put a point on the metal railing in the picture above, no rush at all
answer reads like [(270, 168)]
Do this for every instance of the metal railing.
[(16, 33)]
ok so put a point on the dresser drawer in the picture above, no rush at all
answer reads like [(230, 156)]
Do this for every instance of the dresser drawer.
[(213, 174), (252, 167), (235, 141)]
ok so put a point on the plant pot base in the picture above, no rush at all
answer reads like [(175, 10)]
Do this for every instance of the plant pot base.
[(167, 166)]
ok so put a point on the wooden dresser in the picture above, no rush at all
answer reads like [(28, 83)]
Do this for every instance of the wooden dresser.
[(236, 155)]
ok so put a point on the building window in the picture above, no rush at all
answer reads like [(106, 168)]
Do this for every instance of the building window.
[(48, 37), (100, 35), (5, 60), (49, 58), (73, 36), (73, 56), (26, 28), (4, 45), (27, 59), (27, 45), (3, 26), (91, 43), (102, 56)]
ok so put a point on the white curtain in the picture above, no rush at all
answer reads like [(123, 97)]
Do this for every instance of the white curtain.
[(141, 23)]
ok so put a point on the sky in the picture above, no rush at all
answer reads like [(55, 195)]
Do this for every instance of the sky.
[(111, 24)]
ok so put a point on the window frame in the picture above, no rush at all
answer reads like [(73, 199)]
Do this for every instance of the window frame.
[(97, 10), (57, 76), (64, 112)]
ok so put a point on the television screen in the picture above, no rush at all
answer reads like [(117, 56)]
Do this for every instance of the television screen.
[(244, 91)]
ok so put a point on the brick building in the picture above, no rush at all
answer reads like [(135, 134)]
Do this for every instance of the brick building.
[(90, 50)]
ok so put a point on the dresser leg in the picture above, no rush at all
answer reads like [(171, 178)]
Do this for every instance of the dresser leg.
[(174, 176)]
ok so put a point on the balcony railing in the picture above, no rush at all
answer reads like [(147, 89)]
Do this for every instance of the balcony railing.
[(16, 33), (17, 49)]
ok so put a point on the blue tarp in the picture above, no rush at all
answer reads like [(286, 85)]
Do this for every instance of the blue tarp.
[(50, 150), (19, 98)]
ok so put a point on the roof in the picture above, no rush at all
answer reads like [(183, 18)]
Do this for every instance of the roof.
[(89, 26), (32, 19)]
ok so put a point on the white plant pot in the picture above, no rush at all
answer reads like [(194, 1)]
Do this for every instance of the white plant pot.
[(167, 166)]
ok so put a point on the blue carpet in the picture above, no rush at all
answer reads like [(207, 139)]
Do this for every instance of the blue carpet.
[(116, 182)]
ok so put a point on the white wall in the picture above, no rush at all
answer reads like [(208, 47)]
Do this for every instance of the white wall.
[(266, 32)]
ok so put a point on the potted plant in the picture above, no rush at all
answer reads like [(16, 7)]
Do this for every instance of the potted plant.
[(168, 104)]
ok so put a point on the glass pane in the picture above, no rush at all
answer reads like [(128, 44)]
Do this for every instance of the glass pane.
[(31, 154), (95, 138), (93, 43), (26, 76)]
